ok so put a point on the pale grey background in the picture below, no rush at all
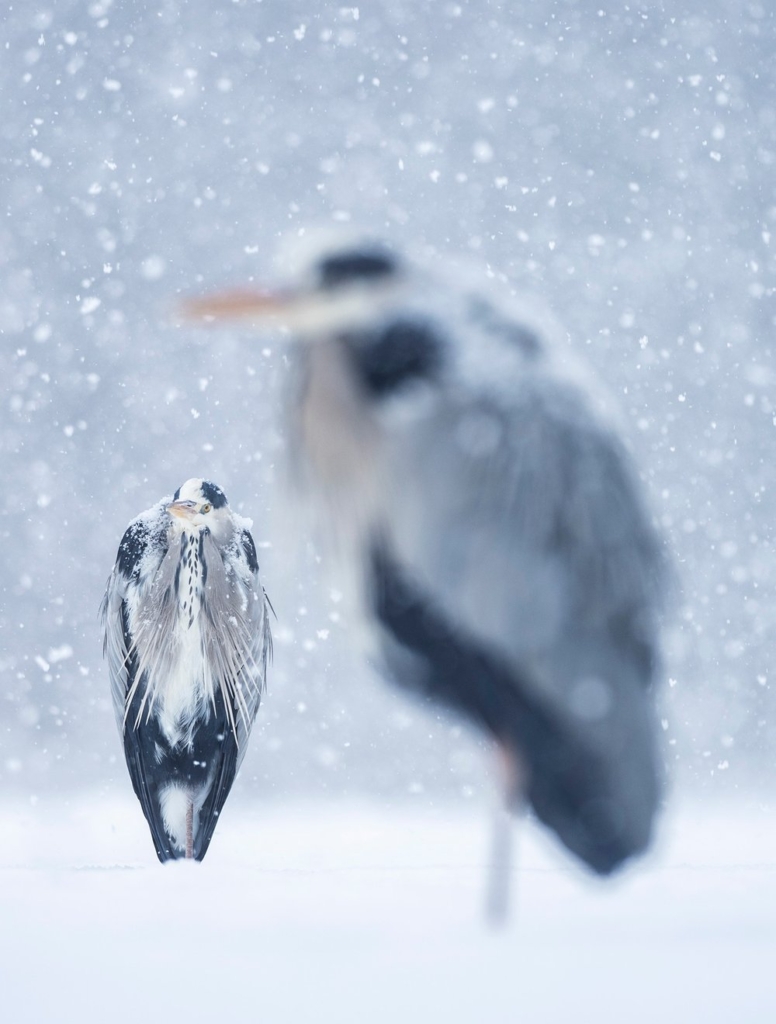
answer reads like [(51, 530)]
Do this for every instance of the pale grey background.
[(618, 163)]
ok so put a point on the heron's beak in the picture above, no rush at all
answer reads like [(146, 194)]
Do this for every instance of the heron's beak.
[(238, 304), (182, 509)]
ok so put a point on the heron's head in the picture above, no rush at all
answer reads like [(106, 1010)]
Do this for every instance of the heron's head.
[(200, 504), (337, 288)]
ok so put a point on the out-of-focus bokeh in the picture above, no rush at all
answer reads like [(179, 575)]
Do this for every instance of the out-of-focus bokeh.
[(615, 161)]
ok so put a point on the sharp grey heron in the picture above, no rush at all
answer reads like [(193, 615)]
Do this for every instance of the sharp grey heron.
[(495, 521), (187, 640)]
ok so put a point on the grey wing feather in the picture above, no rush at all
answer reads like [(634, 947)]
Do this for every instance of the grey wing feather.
[(115, 644), (236, 634), (143, 539), (238, 644), (526, 518)]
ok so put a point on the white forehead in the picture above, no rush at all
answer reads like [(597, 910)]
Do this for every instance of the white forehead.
[(191, 490), (298, 254)]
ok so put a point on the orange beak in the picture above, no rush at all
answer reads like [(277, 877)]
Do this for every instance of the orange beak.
[(182, 509), (237, 304)]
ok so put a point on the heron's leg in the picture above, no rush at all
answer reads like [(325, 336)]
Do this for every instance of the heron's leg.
[(190, 829), (510, 796)]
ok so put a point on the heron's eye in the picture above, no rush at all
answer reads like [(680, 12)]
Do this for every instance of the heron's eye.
[(206, 507)]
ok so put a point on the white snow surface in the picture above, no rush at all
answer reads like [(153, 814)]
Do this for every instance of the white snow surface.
[(349, 912)]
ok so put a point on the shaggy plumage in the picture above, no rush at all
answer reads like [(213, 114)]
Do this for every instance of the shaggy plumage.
[(187, 640)]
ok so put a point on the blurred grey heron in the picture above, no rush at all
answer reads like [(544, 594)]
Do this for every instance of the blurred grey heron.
[(496, 525), (187, 639)]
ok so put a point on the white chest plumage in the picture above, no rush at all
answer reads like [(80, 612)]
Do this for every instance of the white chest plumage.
[(187, 687)]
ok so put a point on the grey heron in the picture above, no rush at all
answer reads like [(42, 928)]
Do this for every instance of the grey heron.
[(187, 639), (497, 529)]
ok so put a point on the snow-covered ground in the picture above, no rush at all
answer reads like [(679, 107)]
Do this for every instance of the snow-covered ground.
[(367, 913)]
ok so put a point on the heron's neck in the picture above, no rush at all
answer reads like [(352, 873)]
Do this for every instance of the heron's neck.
[(338, 430), (190, 576)]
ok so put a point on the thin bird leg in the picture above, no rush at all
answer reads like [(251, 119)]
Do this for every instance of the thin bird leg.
[(190, 830), (511, 773)]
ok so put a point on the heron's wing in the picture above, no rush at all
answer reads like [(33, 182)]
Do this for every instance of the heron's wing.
[(115, 642), (142, 549), (525, 522), (528, 542), (238, 643), (235, 624)]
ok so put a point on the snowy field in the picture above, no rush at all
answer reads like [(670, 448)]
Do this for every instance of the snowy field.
[(366, 913)]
